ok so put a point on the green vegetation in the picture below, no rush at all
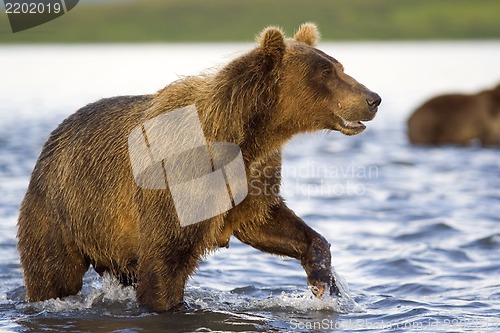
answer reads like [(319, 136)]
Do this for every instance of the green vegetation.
[(240, 20)]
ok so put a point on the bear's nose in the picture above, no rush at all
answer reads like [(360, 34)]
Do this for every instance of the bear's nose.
[(373, 101)]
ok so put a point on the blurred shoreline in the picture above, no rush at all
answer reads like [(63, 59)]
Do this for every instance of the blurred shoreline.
[(228, 21)]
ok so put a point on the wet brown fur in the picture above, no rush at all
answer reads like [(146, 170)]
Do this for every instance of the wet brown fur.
[(457, 119), (83, 207)]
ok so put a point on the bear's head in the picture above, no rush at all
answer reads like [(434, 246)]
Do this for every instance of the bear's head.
[(314, 91), (281, 88)]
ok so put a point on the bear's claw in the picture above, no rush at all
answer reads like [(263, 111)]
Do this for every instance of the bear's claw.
[(319, 287)]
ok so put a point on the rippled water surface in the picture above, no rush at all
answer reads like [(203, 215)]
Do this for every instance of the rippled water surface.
[(415, 232)]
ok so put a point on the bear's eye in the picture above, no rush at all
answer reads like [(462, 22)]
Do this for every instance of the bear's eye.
[(327, 72)]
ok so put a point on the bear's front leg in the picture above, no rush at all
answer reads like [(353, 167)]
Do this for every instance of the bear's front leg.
[(160, 285), (284, 233), (165, 265), (168, 253)]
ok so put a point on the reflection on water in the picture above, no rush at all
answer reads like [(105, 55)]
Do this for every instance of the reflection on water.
[(415, 231)]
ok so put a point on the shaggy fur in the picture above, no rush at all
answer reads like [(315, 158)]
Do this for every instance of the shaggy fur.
[(457, 119), (83, 207)]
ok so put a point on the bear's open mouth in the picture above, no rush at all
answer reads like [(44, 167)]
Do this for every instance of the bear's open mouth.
[(353, 125), (348, 127)]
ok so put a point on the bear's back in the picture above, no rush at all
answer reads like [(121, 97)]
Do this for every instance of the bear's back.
[(95, 134), (445, 119)]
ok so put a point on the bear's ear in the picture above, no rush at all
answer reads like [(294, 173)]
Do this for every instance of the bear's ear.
[(272, 42), (308, 33)]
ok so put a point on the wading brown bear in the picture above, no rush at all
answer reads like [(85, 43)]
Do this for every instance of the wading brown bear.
[(457, 119), (83, 208)]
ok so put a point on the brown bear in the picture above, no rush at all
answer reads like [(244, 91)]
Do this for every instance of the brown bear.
[(83, 208), (457, 119)]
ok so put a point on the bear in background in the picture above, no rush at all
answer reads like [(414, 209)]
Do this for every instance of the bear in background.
[(83, 207), (457, 119)]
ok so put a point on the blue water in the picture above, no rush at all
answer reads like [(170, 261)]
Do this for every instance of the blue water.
[(415, 232)]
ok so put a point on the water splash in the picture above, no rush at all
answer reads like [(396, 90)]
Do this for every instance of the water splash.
[(103, 292), (252, 299)]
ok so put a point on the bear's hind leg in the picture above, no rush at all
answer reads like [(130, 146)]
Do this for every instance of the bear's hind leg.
[(53, 266), (52, 271), (57, 275)]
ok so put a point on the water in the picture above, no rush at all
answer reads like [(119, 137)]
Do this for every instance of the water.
[(415, 232)]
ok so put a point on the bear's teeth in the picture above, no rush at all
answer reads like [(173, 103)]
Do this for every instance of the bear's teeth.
[(353, 124)]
